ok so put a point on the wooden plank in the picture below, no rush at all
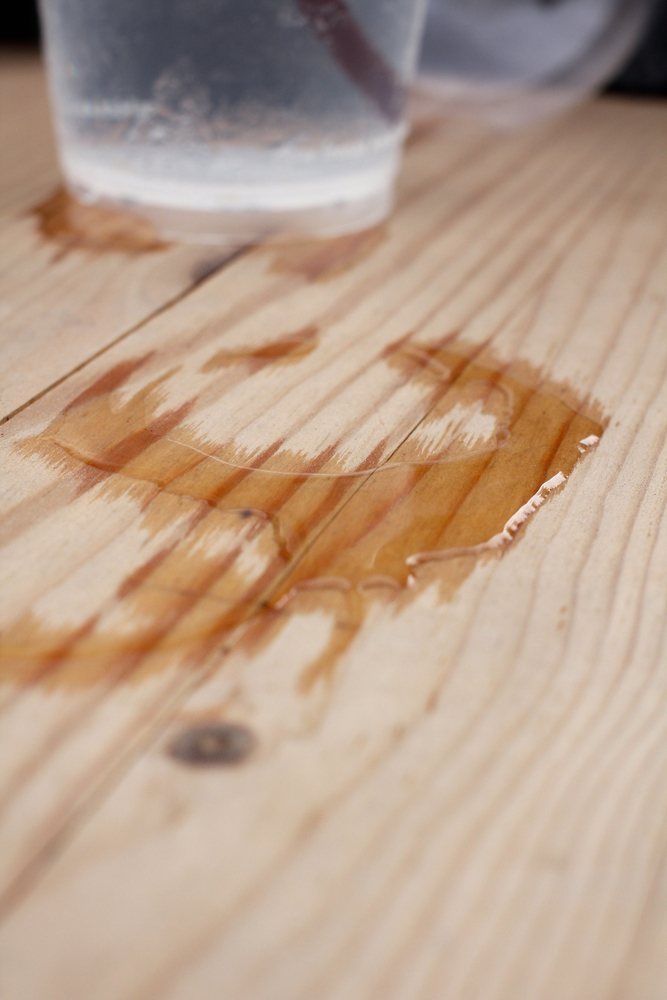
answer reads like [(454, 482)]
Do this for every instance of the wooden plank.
[(71, 281), (457, 784)]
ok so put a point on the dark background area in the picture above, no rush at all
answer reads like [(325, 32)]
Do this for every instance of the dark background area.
[(18, 22), (645, 73)]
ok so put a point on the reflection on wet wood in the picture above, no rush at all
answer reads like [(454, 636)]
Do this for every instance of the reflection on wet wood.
[(333, 604)]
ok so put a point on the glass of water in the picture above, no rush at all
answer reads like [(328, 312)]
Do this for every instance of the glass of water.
[(224, 120)]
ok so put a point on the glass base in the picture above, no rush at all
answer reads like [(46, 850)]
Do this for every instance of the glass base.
[(232, 228), (243, 195)]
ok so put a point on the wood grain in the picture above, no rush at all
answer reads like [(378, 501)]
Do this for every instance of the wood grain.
[(457, 786)]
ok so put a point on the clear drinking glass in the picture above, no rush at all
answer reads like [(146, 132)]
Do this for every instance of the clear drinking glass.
[(512, 61), (230, 119)]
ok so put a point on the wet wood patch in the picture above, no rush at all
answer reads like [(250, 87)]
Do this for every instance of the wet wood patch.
[(447, 456), (75, 226), (463, 794), (291, 346)]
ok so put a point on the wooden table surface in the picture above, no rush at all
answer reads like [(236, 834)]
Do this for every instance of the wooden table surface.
[(333, 661)]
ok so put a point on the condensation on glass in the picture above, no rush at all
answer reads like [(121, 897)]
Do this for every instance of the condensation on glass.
[(220, 119)]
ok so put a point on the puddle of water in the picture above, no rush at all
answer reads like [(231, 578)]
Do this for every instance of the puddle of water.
[(464, 462)]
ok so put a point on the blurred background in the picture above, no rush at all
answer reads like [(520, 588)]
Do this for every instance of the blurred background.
[(645, 72)]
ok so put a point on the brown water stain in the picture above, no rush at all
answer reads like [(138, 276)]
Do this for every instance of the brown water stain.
[(487, 442), (321, 260), (74, 226), (109, 382), (290, 347)]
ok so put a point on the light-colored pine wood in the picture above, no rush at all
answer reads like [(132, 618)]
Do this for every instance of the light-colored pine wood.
[(458, 787)]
